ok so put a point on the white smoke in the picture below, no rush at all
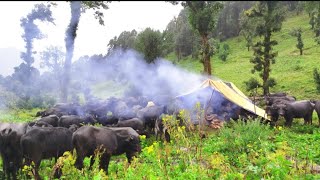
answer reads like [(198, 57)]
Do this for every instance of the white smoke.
[(159, 78)]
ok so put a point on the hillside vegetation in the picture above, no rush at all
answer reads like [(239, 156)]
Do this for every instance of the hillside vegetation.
[(293, 73)]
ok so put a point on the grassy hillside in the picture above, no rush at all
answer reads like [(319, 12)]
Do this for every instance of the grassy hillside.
[(293, 73), (108, 89)]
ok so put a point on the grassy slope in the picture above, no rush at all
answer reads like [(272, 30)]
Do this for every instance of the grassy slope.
[(293, 73), (108, 89)]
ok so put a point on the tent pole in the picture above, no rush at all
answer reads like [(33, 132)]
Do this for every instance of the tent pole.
[(254, 99)]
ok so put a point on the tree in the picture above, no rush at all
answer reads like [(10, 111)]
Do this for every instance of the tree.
[(297, 33), (186, 40), (25, 73), (180, 38), (31, 31), (271, 16), (77, 7), (125, 41), (229, 19), (247, 29), (149, 43), (312, 20), (203, 19), (53, 59), (168, 36), (313, 8), (300, 7), (317, 23), (316, 77)]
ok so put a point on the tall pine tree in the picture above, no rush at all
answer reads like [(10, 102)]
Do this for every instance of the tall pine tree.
[(271, 16)]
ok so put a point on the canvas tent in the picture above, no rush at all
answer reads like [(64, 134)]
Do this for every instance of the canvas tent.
[(218, 91)]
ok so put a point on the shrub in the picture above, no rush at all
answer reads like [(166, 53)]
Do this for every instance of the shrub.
[(224, 52), (252, 84)]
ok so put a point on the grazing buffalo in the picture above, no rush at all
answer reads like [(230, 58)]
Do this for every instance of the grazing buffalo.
[(149, 115), (273, 112), (298, 109), (45, 143), (67, 121), (51, 111), (53, 120), (11, 154), (135, 123), (107, 120), (61, 109), (270, 100), (110, 141)]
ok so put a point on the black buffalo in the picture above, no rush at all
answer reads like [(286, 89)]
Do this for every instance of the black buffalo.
[(298, 109), (270, 100), (273, 112), (107, 120), (150, 114), (45, 143), (68, 120), (11, 154), (53, 120), (111, 141), (135, 123)]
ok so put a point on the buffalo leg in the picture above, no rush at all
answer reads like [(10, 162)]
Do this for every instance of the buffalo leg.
[(288, 121), (79, 161), (167, 135), (104, 162), (36, 170)]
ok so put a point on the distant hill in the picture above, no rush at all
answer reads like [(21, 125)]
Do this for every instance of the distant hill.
[(293, 73), (9, 58)]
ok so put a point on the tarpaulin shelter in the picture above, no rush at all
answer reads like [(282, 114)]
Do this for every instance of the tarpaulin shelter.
[(219, 91)]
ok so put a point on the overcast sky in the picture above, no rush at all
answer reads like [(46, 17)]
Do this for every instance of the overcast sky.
[(92, 38)]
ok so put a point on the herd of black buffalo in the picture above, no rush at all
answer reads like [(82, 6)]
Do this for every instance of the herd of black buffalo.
[(281, 104), (68, 126)]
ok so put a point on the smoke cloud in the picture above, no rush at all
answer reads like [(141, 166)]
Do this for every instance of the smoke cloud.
[(150, 80)]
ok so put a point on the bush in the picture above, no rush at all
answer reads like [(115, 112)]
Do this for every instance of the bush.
[(39, 101), (224, 52), (252, 84)]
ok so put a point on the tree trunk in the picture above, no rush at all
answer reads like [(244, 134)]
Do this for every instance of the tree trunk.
[(300, 52), (206, 55), (71, 34), (248, 48)]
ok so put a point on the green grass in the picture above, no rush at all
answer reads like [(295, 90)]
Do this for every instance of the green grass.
[(293, 73), (20, 115)]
